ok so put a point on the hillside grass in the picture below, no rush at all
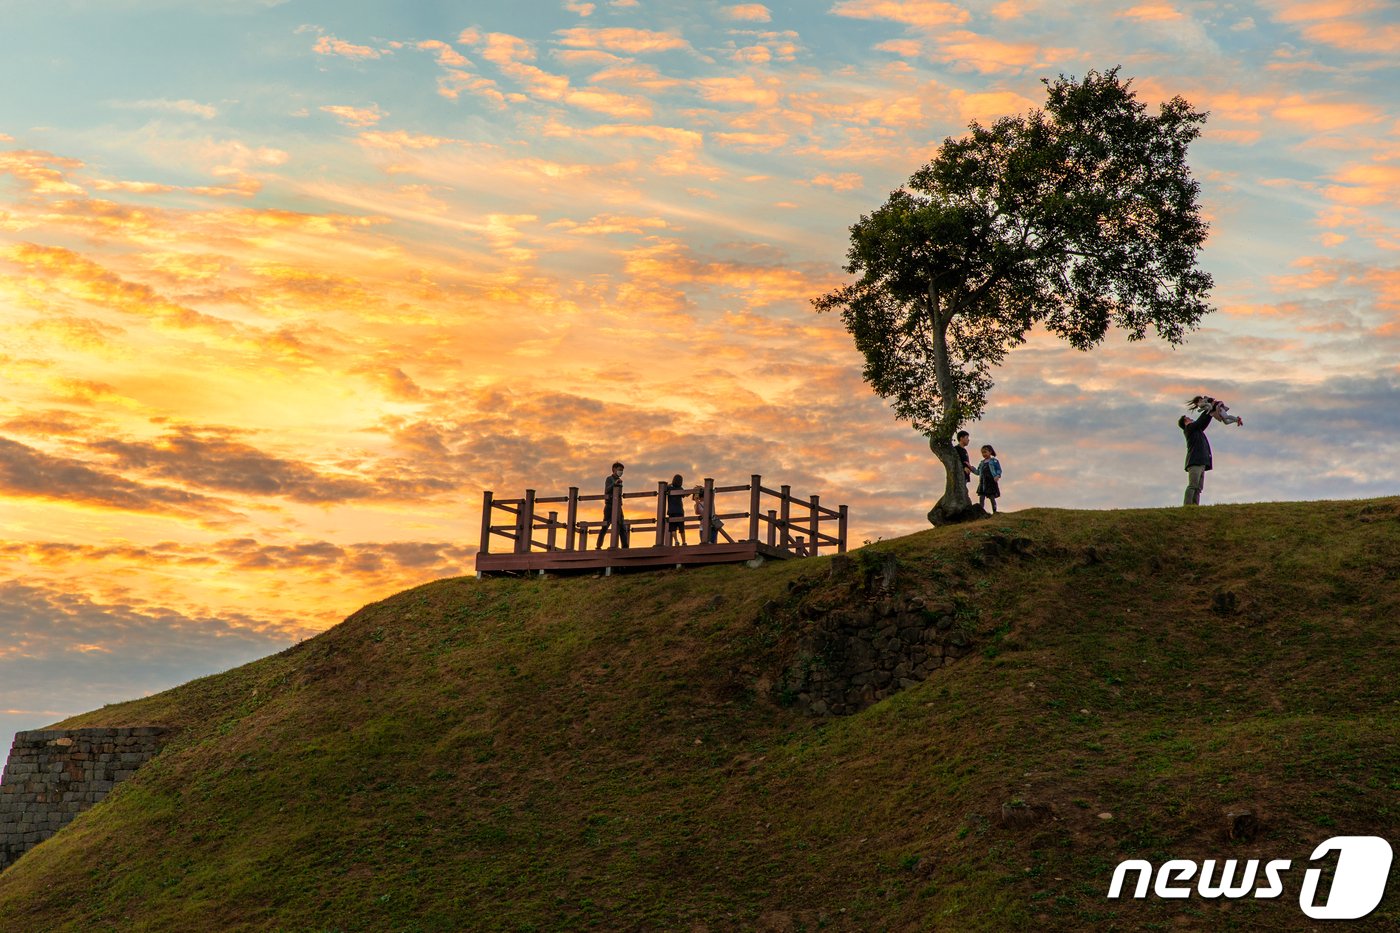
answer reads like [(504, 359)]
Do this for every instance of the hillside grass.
[(550, 754)]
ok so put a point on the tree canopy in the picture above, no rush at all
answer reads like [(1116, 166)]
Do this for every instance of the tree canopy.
[(1078, 216)]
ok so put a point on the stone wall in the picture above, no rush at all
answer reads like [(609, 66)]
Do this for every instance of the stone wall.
[(866, 634), (53, 775)]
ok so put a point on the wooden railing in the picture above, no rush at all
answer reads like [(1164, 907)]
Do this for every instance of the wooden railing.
[(774, 517)]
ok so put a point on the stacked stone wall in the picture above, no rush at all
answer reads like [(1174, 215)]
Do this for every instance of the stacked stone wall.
[(52, 775), (865, 634)]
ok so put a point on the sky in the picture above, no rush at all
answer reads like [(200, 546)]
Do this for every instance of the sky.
[(286, 285)]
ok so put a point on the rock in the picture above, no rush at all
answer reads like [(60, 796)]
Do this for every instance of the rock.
[(1241, 826)]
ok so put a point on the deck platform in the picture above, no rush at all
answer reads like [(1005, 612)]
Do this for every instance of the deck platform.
[(540, 540), (591, 561)]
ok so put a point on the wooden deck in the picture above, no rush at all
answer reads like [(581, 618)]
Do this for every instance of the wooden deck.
[(644, 558), (543, 541)]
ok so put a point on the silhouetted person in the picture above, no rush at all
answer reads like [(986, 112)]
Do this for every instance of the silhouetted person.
[(675, 509), (1198, 459), (613, 482)]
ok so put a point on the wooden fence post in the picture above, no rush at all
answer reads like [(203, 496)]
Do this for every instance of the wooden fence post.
[(662, 500), (525, 524), (784, 515), (571, 516), (707, 512), (772, 527), (755, 482), (549, 537), (841, 531), (615, 528), (816, 526), (486, 507)]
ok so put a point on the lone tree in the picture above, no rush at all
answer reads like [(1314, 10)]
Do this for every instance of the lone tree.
[(1077, 217)]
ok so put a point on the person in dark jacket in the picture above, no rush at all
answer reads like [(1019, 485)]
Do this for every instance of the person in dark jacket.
[(961, 448), (675, 509), (1197, 455), (614, 481)]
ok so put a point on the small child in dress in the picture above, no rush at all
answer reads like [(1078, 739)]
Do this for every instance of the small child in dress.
[(1218, 409), (988, 478)]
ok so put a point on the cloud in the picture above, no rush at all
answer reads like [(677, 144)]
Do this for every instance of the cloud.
[(989, 55), (356, 116), (330, 45), (621, 40), (919, 14), (1347, 25), (40, 172), (846, 181), (213, 460), (747, 12), (184, 106), (446, 55), (26, 472), (1152, 13)]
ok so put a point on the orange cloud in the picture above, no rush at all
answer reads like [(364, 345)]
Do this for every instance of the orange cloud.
[(400, 139), (1152, 13), (446, 55), (1366, 185), (330, 45), (1322, 114), (846, 181), (40, 172), (626, 41), (356, 116), (907, 48), (920, 14), (748, 12), (989, 56), (742, 89), (1344, 24)]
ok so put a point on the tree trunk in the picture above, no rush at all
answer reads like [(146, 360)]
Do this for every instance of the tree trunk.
[(955, 505)]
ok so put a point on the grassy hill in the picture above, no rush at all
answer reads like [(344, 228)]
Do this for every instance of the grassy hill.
[(610, 752)]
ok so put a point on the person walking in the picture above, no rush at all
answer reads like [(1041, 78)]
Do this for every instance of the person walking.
[(1198, 459), (614, 481)]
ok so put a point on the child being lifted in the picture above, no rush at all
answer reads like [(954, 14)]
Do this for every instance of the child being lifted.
[(1218, 409)]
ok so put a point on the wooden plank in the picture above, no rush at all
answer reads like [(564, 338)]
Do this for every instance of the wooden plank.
[(576, 561)]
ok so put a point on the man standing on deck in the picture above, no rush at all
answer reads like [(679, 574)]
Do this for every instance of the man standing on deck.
[(613, 482), (1198, 459)]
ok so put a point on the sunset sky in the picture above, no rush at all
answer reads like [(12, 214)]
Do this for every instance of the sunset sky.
[(286, 285)]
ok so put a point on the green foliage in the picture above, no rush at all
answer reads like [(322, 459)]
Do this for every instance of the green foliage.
[(1077, 217)]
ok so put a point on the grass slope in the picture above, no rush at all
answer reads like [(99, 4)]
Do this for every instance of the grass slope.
[(559, 754)]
